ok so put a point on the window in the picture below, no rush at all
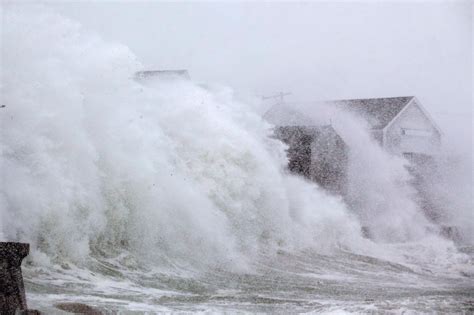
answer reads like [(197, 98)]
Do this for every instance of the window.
[(416, 132)]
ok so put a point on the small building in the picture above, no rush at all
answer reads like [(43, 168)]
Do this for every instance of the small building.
[(162, 75)]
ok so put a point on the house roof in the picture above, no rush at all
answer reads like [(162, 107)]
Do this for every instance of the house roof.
[(378, 112), (163, 74)]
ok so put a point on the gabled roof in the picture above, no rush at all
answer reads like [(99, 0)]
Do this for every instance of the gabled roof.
[(378, 112)]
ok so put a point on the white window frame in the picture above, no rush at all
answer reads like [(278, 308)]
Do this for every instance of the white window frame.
[(416, 132)]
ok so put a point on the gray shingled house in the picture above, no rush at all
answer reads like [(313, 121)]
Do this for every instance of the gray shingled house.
[(399, 124)]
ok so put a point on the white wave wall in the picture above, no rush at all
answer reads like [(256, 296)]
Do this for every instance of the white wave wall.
[(450, 187), (382, 194), (93, 162), (379, 187)]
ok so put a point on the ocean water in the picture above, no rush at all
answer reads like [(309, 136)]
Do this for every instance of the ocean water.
[(283, 283), (171, 196)]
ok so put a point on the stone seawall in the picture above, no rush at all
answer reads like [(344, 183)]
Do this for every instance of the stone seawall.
[(12, 289)]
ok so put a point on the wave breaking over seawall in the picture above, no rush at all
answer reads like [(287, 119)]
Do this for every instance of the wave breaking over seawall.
[(108, 178), (92, 159)]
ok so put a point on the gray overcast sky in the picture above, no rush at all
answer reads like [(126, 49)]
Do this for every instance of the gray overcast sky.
[(316, 50)]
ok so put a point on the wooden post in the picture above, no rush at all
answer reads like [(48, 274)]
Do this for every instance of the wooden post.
[(12, 289)]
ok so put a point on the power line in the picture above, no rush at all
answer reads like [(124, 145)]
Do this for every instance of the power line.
[(280, 95)]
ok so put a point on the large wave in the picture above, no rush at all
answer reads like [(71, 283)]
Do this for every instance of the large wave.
[(94, 163), (93, 160)]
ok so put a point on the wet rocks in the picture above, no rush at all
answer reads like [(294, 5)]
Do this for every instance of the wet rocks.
[(78, 308), (12, 290)]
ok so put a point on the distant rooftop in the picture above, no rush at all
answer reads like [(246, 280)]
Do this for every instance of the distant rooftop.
[(163, 74)]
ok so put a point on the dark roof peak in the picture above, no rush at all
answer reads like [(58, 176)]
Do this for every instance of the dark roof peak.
[(405, 98), (378, 112)]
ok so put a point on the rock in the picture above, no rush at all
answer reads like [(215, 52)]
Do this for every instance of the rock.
[(78, 308), (12, 290), (27, 312)]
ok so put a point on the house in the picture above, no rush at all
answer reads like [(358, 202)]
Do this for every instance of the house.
[(399, 124)]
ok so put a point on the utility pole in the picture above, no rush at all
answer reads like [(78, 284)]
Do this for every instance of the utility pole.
[(280, 95)]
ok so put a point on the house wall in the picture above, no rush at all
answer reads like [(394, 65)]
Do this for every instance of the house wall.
[(329, 160), (412, 132)]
